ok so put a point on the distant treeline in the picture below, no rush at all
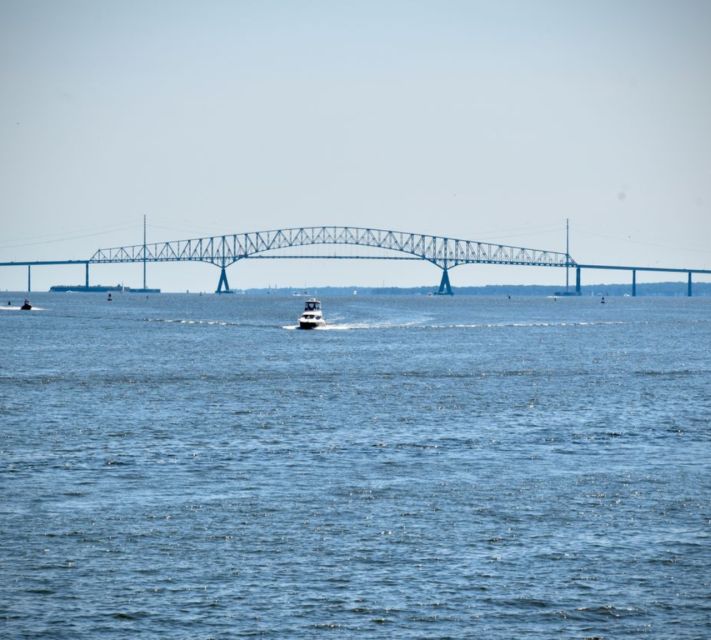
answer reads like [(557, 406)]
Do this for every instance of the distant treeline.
[(643, 289)]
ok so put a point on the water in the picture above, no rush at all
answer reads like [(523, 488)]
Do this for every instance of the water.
[(190, 467)]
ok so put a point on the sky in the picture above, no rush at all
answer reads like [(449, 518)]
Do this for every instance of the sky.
[(489, 121)]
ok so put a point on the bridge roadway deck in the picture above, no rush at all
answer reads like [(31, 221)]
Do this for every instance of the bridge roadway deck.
[(612, 267), (572, 265), (40, 263), (443, 252)]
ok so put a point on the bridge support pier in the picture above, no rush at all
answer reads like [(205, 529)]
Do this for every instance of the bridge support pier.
[(29, 278), (688, 286), (634, 283), (445, 288), (223, 282), (577, 281), (86, 275)]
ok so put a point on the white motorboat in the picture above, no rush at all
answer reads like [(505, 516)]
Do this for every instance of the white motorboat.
[(312, 317)]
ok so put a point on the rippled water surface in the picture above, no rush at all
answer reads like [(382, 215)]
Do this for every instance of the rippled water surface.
[(186, 466)]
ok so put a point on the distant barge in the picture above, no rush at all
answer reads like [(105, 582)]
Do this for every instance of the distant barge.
[(97, 288)]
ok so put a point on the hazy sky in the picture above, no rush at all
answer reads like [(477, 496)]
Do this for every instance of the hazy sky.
[(481, 120)]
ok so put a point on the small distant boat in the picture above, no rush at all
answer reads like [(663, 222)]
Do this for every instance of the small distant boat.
[(312, 317), (26, 306)]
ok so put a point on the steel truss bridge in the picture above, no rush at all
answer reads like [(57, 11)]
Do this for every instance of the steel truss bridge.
[(445, 253)]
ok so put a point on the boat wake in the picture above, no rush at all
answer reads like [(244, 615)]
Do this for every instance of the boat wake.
[(524, 325), (329, 327), (358, 326), (383, 325), (218, 323), (355, 326), (12, 308)]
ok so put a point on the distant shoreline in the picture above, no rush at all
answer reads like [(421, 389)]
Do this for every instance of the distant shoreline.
[(665, 289), (650, 289)]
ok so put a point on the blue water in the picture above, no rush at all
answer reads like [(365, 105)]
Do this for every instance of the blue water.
[(186, 466)]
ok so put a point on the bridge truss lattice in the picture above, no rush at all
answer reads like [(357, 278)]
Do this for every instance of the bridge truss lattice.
[(441, 251)]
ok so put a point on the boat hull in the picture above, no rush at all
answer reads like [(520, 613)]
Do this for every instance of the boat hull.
[(311, 324)]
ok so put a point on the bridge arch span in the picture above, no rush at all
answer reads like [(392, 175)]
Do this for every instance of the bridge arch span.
[(443, 252)]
